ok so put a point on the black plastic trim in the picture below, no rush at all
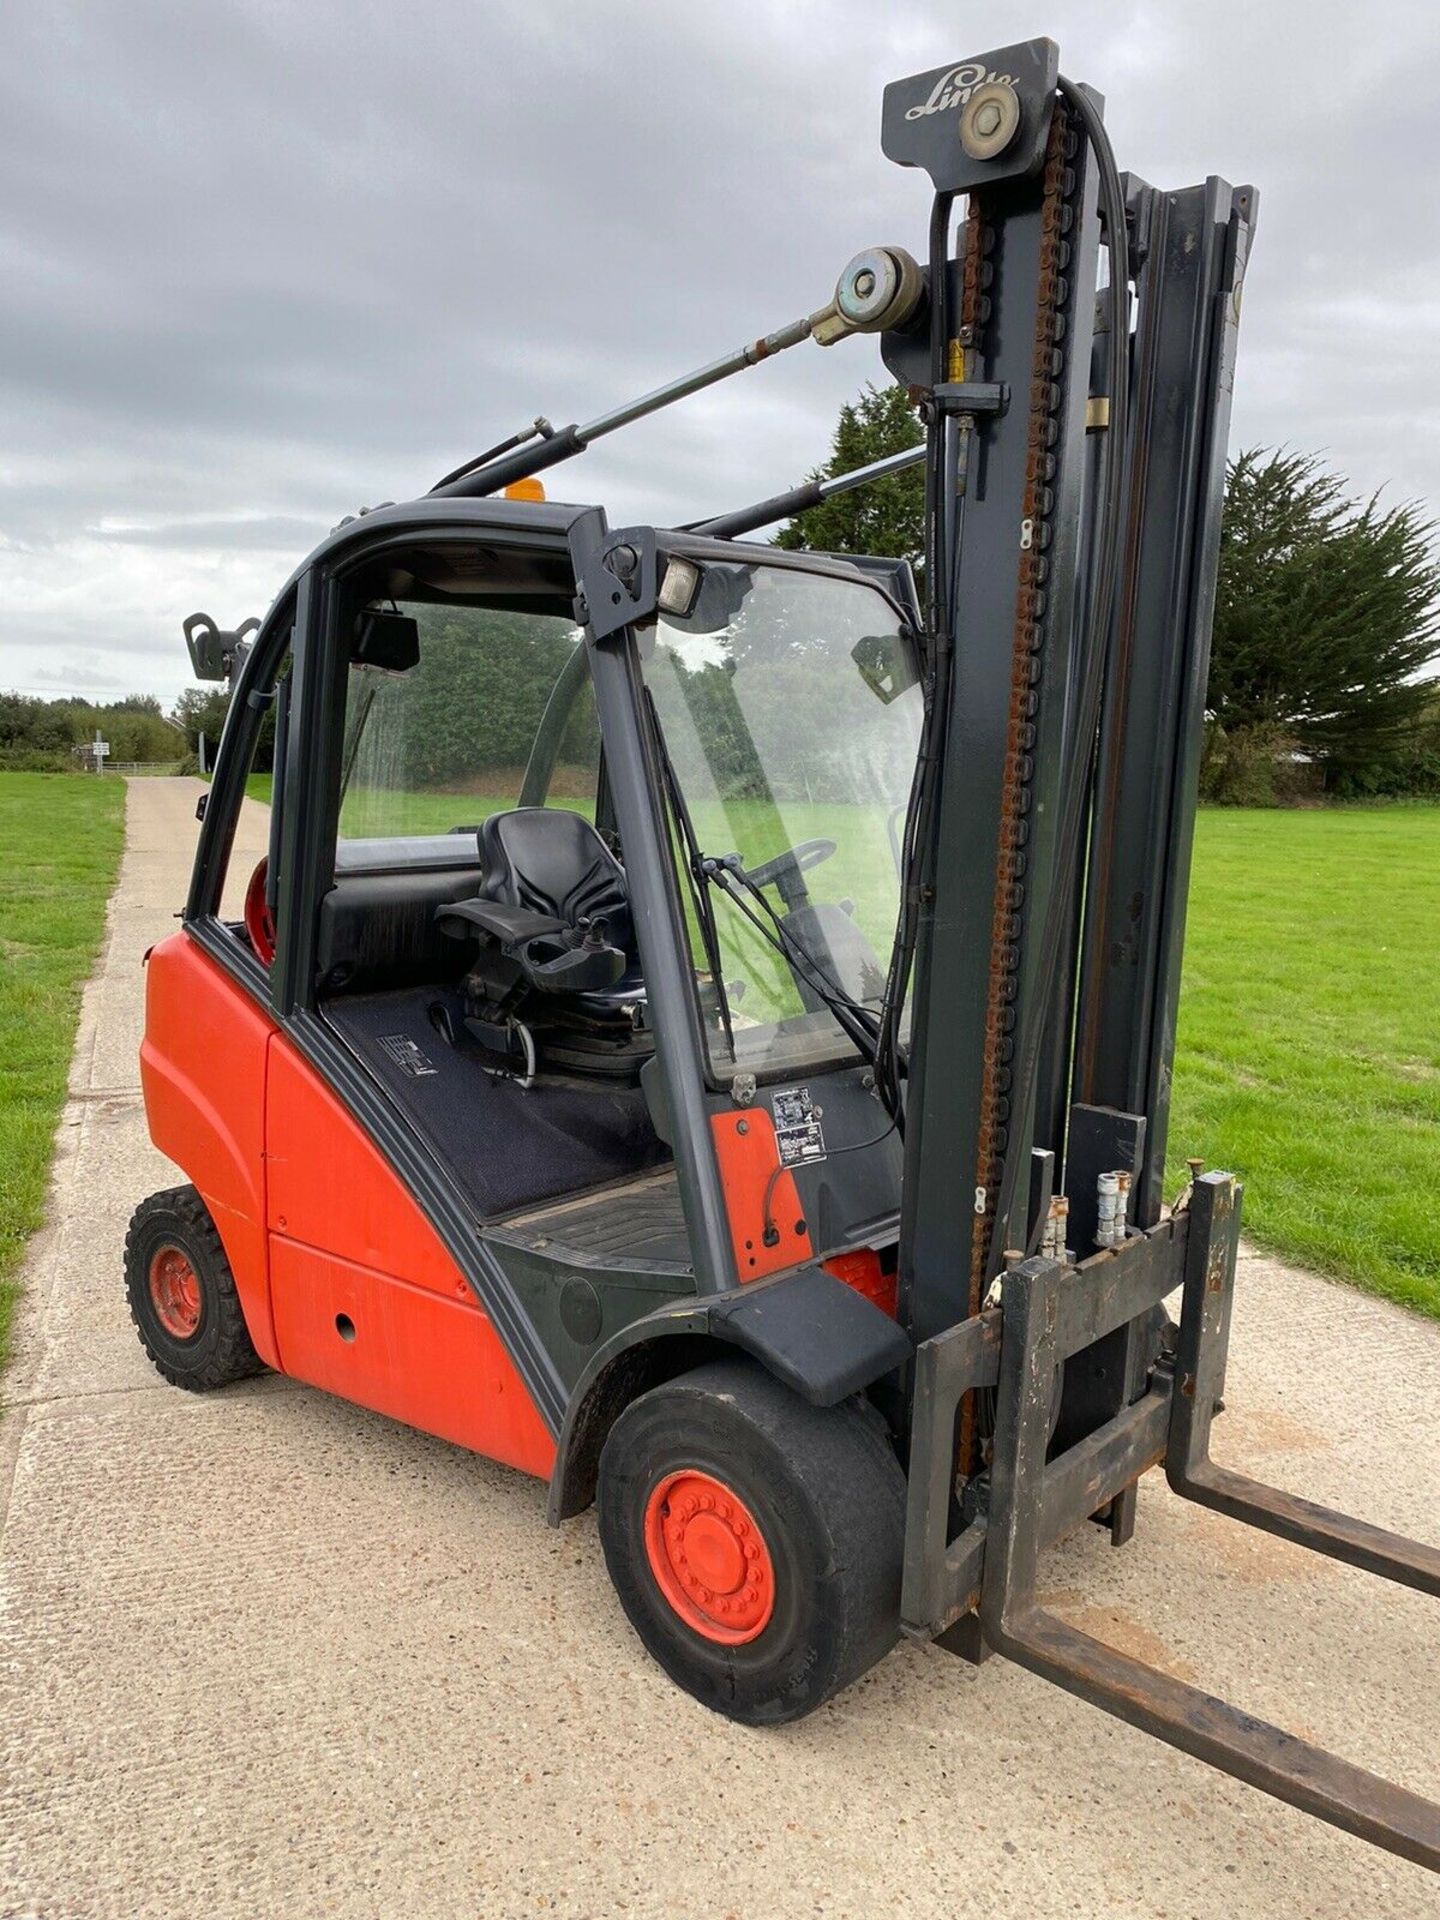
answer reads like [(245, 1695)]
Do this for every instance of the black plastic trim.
[(226, 791), (817, 1336), (821, 1338)]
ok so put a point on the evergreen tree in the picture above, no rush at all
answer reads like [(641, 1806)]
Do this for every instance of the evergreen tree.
[(1325, 617), (1327, 610), (886, 517)]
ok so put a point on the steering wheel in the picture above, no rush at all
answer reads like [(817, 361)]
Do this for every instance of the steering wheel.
[(259, 920), (784, 869)]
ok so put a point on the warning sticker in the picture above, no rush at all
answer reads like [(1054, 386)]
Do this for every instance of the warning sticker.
[(407, 1056), (798, 1133)]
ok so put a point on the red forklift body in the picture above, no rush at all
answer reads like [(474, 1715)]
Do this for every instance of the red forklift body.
[(344, 1283)]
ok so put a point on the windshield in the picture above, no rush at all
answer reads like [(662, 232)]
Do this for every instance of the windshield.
[(790, 712)]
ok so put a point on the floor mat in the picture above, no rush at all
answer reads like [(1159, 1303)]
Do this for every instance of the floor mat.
[(507, 1146), (639, 1225)]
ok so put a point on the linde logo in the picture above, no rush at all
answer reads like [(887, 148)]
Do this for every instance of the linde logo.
[(955, 87)]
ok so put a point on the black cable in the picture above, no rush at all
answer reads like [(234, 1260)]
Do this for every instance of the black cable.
[(939, 590), (539, 431), (819, 975), (767, 1217), (849, 1015), (699, 890), (471, 466), (845, 1010)]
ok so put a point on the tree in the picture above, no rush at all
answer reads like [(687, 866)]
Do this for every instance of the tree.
[(1325, 611), (43, 733), (1410, 769), (886, 517), (472, 707), (1325, 617), (40, 726), (202, 710)]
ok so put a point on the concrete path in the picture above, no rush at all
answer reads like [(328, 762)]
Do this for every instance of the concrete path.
[(264, 1654)]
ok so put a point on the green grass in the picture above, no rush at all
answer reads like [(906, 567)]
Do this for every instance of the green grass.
[(62, 836), (1309, 1046)]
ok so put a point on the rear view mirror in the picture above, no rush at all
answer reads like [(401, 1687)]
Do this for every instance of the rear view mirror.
[(215, 654), (885, 665), (387, 642)]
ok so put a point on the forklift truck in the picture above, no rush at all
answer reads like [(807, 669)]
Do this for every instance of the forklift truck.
[(702, 1031)]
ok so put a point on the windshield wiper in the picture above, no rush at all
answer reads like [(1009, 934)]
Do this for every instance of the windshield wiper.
[(857, 1022), (350, 749), (695, 870)]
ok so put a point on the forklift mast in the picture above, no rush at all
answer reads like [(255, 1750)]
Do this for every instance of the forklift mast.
[(1075, 476), (1072, 583)]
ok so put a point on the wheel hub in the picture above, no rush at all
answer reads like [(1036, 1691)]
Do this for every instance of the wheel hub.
[(709, 1557), (175, 1293)]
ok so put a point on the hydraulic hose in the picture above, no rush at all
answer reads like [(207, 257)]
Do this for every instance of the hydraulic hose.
[(1103, 586), (939, 593)]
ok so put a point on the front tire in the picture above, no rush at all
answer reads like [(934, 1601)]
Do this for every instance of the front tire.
[(182, 1294), (755, 1541)]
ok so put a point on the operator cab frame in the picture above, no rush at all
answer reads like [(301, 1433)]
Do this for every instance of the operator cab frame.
[(739, 1113)]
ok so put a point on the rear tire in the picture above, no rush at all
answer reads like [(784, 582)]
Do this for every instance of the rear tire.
[(182, 1294), (755, 1541)]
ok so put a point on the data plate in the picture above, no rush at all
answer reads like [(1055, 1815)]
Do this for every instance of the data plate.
[(798, 1133)]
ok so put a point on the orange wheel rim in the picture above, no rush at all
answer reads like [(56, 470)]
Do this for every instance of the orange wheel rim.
[(709, 1558), (259, 920), (175, 1293)]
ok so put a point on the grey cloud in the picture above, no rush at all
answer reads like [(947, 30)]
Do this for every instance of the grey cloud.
[(274, 534), (259, 265)]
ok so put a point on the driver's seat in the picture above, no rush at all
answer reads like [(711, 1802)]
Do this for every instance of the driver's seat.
[(554, 862), (556, 978)]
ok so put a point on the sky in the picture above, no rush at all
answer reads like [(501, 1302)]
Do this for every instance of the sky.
[(263, 263)]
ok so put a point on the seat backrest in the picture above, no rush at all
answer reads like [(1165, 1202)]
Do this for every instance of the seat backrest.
[(555, 862)]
